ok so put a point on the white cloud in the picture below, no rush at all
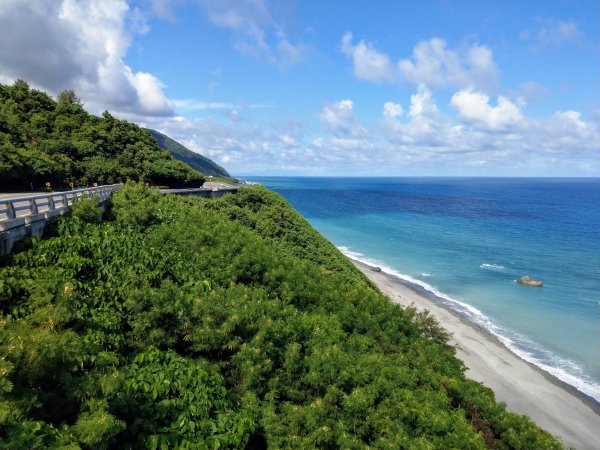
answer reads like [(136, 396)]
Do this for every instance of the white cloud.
[(422, 104), (474, 107), (392, 110), (566, 129), (79, 45), (424, 127), (339, 119), (432, 63), (256, 32), (553, 33), (369, 64), (287, 140), (336, 115)]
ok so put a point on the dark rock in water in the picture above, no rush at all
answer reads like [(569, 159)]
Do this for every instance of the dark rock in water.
[(376, 269), (528, 281)]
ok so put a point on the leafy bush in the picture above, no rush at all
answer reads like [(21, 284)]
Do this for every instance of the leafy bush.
[(87, 210), (175, 402), (195, 323)]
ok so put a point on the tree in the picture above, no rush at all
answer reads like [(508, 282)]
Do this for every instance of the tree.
[(68, 96)]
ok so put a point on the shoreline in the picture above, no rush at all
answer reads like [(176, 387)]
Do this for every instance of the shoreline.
[(553, 404)]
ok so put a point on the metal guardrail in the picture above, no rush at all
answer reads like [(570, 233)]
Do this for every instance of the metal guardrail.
[(24, 207)]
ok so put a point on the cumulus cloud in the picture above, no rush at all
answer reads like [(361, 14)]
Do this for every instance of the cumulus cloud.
[(339, 119), (392, 110), (369, 64), (424, 127), (567, 129), (79, 45), (422, 104), (553, 33), (256, 32), (474, 107), (432, 63)]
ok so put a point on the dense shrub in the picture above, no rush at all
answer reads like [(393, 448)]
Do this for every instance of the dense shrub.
[(87, 210), (217, 324)]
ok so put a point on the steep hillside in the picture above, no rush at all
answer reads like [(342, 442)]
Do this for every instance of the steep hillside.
[(59, 142), (194, 160), (182, 322)]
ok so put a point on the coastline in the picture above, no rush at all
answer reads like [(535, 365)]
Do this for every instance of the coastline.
[(525, 388)]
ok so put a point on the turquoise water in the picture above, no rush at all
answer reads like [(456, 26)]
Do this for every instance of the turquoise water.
[(466, 240)]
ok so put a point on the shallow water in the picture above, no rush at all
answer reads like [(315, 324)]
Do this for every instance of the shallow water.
[(467, 240)]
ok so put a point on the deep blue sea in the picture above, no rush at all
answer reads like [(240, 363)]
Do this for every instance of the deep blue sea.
[(467, 239)]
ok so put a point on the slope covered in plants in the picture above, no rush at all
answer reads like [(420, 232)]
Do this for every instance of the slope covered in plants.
[(58, 142), (192, 323), (194, 160)]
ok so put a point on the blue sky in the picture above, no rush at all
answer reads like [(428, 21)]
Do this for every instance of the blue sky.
[(505, 88)]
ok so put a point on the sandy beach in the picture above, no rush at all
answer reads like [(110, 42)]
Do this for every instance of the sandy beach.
[(526, 389)]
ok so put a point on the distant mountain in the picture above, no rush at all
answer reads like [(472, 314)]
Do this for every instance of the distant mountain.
[(194, 160)]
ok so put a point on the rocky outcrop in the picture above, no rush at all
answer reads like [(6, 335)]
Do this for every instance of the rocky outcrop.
[(528, 281), (376, 269)]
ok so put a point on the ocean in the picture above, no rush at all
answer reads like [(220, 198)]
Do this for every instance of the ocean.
[(466, 240)]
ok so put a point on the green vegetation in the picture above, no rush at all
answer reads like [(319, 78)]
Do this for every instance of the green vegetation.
[(87, 210), (42, 140), (181, 322), (194, 160)]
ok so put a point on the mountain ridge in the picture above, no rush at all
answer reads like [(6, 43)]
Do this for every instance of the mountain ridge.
[(195, 160)]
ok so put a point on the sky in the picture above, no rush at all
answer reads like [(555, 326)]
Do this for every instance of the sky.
[(331, 88)]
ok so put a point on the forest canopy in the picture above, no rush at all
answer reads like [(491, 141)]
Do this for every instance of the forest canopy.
[(223, 323), (58, 142)]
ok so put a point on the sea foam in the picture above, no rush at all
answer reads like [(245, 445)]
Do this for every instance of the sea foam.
[(492, 266)]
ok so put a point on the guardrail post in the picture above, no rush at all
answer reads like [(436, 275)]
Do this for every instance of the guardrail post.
[(50, 203), (10, 210), (33, 209)]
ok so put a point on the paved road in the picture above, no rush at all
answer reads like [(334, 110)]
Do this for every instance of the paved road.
[(217, 185)]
